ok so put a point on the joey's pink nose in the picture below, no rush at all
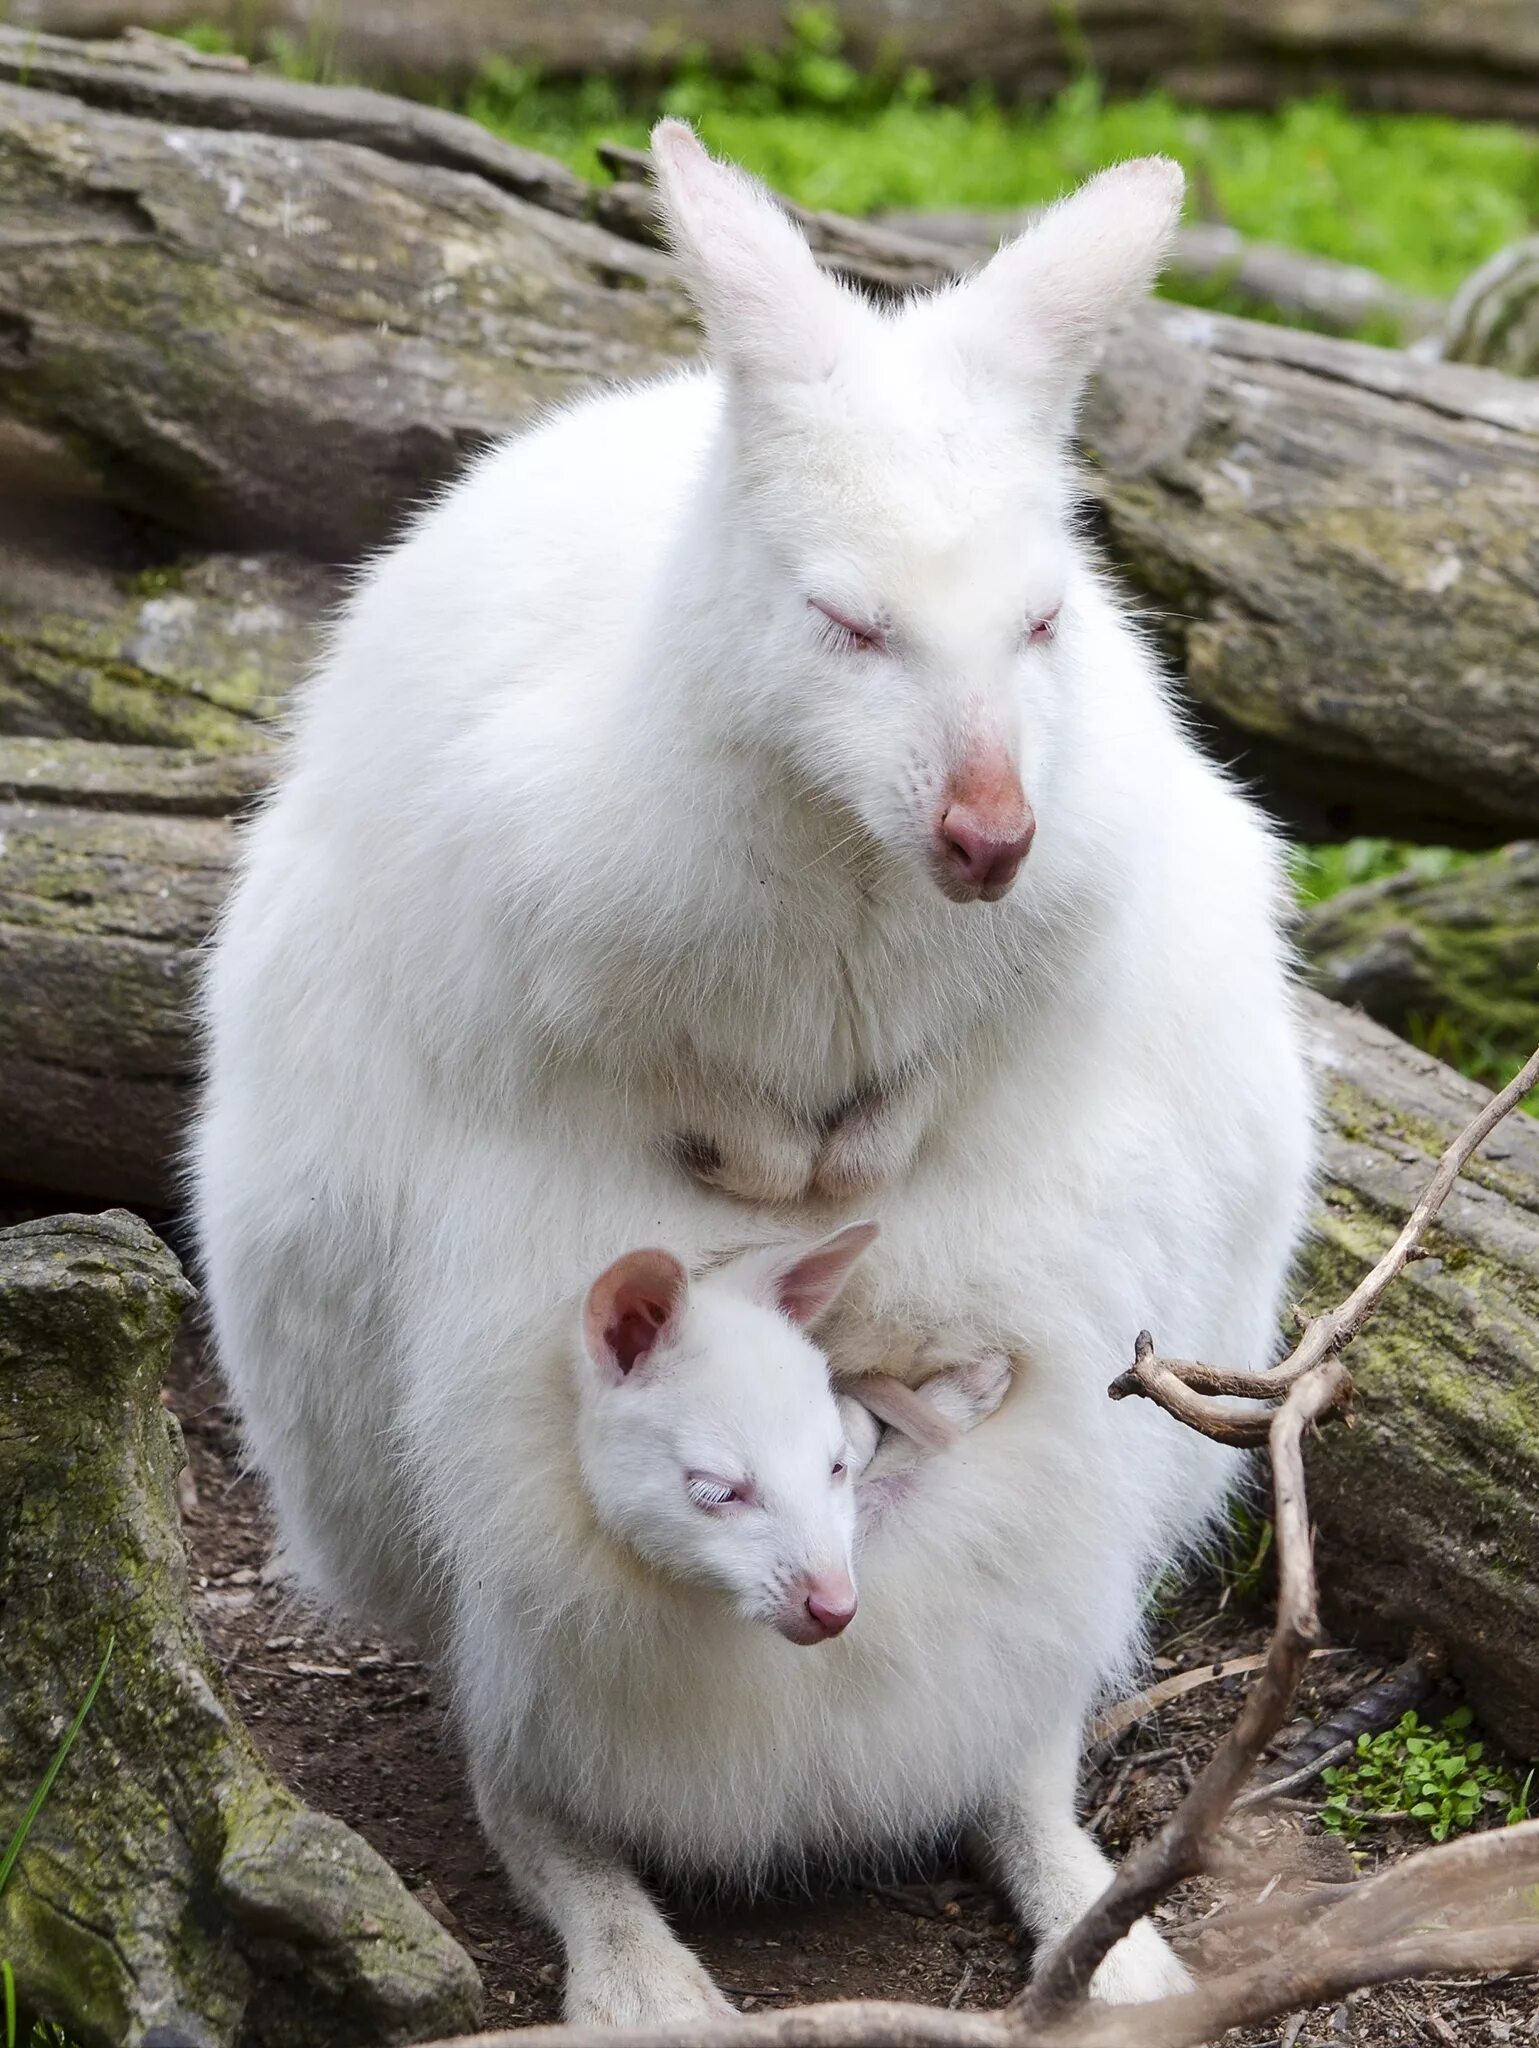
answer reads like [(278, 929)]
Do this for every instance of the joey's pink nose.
[(818, 1610), (831, 1609), (980, 852)]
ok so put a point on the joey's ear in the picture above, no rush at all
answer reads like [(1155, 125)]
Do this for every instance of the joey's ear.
[(1039, 307), (802, 1281), (769, 312), (631, 1307)]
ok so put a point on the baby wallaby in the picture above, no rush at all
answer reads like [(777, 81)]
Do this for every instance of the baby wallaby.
[(712, 1442)]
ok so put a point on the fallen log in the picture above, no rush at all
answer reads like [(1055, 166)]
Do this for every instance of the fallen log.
[(255, 338), (1477, 58), (196, 654), (1456, 953), (115, 863), (260, 344), (170, 1889)]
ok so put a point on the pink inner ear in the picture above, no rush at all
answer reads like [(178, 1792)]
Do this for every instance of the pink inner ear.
[(804, 1289), (630, 1306), (633, 1329)]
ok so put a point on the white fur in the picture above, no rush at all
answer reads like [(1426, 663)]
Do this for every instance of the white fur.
[(591, 838)]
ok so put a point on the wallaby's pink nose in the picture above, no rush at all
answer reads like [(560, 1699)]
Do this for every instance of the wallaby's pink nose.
[(982, 853), (985, 828), (831, 1608)]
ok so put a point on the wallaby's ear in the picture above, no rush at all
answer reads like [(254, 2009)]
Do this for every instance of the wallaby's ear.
[(1042, 303), (768, 309), (802, 1281), (631, 1307)]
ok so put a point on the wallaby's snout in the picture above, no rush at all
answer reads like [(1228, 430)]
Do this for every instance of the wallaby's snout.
[(818, 1609), (984, 830)]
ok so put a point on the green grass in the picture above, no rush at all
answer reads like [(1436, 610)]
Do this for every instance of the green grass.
[(41, 2033), (1422, 199), (1435, 1778)]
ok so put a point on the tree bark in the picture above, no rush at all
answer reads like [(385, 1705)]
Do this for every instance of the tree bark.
[(1470, 57), (263, 342), (1456, 953), (1428, 1509), (171, 1888)]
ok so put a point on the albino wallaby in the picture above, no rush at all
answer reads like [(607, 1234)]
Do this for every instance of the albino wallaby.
[(735, 793)]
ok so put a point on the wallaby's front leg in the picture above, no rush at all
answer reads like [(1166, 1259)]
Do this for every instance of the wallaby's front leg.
[(1051, 1872), (625, 1967)]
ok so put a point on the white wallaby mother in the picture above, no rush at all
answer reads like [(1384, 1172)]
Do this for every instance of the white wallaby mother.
[(740, 804)]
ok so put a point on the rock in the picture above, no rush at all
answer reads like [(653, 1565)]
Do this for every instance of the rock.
[(171, 1886)]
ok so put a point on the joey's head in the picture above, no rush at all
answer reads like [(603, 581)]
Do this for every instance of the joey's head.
[(898, 596), (708, 1433)]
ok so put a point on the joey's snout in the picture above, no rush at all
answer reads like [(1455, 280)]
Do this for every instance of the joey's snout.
[(817, 1610), (983, 831)]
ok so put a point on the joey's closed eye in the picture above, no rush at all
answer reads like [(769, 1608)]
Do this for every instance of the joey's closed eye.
[(710, 1492), (1043, 626), (846, 635)]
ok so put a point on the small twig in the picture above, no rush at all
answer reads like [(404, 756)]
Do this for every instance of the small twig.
[(1258, 1795), (1221, 1403)]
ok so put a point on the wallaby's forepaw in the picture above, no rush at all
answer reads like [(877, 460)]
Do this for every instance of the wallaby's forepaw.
[(869, 1148), (769, 1164), (643, 1986), (1142, 1966)]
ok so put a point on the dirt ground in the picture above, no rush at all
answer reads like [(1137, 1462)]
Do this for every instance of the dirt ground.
[(351, 1723)]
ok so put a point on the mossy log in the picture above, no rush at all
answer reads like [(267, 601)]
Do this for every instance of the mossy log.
[(198, 654), (1427, 1510), (115, 860), (1470, 57), (171, 1887), (254, 334), (1456, 952)]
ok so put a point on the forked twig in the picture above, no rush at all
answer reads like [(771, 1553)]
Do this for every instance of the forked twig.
[(1422, 1917)]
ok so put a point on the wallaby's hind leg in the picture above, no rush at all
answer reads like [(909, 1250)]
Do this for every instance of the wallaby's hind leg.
[(625, 1967), (1051, 1871)]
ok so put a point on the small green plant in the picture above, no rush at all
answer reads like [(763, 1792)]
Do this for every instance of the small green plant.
[(43, 2033), (1436, 1777)]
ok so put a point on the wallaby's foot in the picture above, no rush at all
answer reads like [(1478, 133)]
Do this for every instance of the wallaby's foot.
[(766, 1161), (1142, 1966), (966, 1394), (639, 1981)]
